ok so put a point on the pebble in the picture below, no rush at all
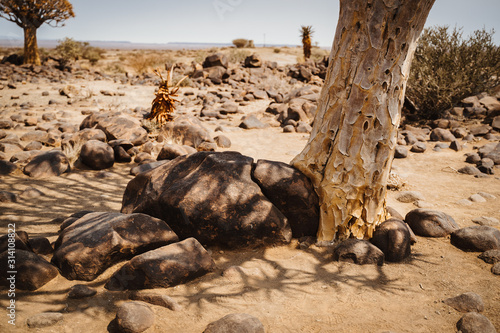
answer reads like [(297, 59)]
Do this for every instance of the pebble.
[(477, 198)]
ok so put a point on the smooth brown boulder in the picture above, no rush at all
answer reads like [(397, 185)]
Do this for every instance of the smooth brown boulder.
[(359, 252), (45, 165), (430, 223), (394, 239)]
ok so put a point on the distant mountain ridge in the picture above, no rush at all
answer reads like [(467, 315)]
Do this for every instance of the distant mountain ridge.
[(125, 45)]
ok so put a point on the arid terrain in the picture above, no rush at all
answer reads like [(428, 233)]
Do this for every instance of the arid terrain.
[(288, 289)]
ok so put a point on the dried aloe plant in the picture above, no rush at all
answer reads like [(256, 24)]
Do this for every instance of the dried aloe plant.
[(163, 105)]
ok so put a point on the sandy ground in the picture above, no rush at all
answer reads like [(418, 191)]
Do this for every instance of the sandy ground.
[(288, 289)]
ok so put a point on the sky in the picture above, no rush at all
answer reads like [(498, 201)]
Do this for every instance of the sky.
[(220, 21)]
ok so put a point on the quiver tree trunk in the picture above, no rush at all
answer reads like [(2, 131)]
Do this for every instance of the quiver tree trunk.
[(349, 154), (31, 55)]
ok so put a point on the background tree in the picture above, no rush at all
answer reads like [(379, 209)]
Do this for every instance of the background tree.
[(349, 154), (306, 33), (30, 15)]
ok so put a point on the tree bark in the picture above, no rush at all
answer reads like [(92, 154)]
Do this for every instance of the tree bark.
[(350, 151), (31, 55)]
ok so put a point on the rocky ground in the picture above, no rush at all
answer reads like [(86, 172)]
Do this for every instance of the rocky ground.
[(263, 109)]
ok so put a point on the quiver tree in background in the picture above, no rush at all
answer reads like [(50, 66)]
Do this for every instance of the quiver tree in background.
[(306, 33), (349, 154), (30, 15)]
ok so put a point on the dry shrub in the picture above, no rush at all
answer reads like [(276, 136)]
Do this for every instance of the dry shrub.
[(143, 62), (447, 68), (237, 56)]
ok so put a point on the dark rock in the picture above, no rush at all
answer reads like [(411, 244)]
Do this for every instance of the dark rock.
[(217, 74), (253, 61), (6, 168), (223, 141), (164, 267), (41, 136), (289, 129), (474, 322), (41, 245), (455, 145), (21, 241), (49, 164), (44, 319), (476, 238), (252, 122), (228, 107), (134, 317), (187, 131), (259, 94), (439, 134), (237, 322), (217, 59), (484, 220), (472, 158), (419, 147), (430, 223), (490, 256), (496, 268), (121, 155), (358, 251), (467, 302), (409, 196), (143, 157), (480, 130), (410, 138), (155, 299), (10, 148), (33, 271), (171, 151), (207, 146), (117, 127), (97, 155), (401, 152), (34, 145), (6, 123), (303, 127), (494, 154), (292, 193), (394, 239), (87, 134), (469, 170), (460, 132), (81, 291), (97, 241), (209, 196), (496, 123)]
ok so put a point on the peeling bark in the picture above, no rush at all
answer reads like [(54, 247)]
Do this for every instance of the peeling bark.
[(31, 55), (350, 151)]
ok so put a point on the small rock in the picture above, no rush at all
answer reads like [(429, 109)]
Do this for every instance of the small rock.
[(223, 141), (44, 319), (81, 291), (464, 202), (31, 193), (41, 245), (155, 299), (418, 147), (455, 145), (289, 129), (477, 198), (488, 221), (472, 158), (487, 196), (252, 122), (474, 322), (401, 152), (490, 256), (6, 196), (469, 170), (358, 251), (496, 268), (134, 317), (476, 238), (238, 322), (467, 302), (430, 223), (409, 196), (444, 135)]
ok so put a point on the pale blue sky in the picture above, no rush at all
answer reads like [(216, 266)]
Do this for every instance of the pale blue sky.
[(221, 21)]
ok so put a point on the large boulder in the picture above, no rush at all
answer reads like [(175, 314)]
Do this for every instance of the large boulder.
[(478, 238), (116, 127), (430, 223), (209, 196), (394, 239), (33, 271), (253, 61), (164, 267), (89, 245), (186, 131), (217, 59), (440, 134), (97, 155), (49, 164), (292, 193)]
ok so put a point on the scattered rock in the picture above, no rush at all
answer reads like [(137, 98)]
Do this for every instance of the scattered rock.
[(476, 238), (358, 251), (217, 59), (418, 147), (440, 134), (474, 322), (490, 256), (115, 127), (496, 268), (50, 164), (394, 239), (41, 245), (401, 152), (430, 223), (455, 145), (171, 151), (164, 267), (253, 61), (223, 141), (409, 196), (96, 241), (33, 271), (186, 131), (81, 291), (44, 319), (155, 299), (134, 317), (469, 170), (488, 221), (252, 122), (6, 168), (467, 302), (238, 322), (6, 196), (477, 198), (146, 167), (97, 155)]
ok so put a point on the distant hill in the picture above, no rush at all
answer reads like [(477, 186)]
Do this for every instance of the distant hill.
[(124, 45)]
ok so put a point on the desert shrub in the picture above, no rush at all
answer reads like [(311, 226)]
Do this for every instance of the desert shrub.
[(69, 49), (240, 43), (447, 68), (277, 50), (237, 56), (115, 68), (142, 62), (251, 44), (91, 53), (317, 54)]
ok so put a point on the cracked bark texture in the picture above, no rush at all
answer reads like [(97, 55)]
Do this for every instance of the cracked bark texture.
[(351, 148)]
